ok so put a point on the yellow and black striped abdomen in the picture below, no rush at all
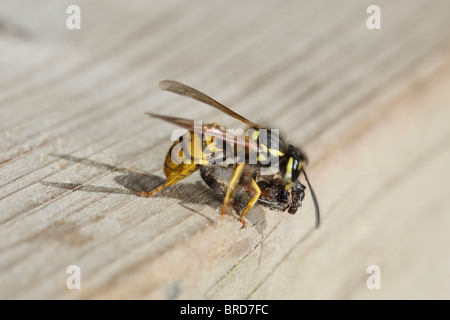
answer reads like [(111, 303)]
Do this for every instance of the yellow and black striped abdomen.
[(178, 162), (187, 154), (171, 168)]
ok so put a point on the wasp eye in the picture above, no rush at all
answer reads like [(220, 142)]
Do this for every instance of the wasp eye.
[(296, 167)]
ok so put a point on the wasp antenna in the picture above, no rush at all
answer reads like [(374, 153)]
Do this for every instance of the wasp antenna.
[(316, 203)]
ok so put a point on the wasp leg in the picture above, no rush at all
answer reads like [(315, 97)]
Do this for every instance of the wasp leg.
[(187, 171), (251, 203), (231, 185)]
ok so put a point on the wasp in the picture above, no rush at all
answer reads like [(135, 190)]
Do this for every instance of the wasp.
[(244, 182)]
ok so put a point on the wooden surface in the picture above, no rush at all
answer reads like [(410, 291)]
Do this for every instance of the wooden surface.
[(371, 108)]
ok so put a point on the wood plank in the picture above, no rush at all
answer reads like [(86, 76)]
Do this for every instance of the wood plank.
[(368, 106)]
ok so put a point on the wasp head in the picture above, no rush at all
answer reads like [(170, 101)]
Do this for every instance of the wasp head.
[(291, 165)]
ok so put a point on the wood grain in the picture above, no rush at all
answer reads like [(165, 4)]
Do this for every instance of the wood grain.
[(369, 106)]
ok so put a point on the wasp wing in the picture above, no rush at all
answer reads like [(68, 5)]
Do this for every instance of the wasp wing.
[(208, 130), (181, 89), (181, 122)]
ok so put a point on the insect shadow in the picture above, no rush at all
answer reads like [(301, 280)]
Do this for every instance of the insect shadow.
[(134, 182)]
